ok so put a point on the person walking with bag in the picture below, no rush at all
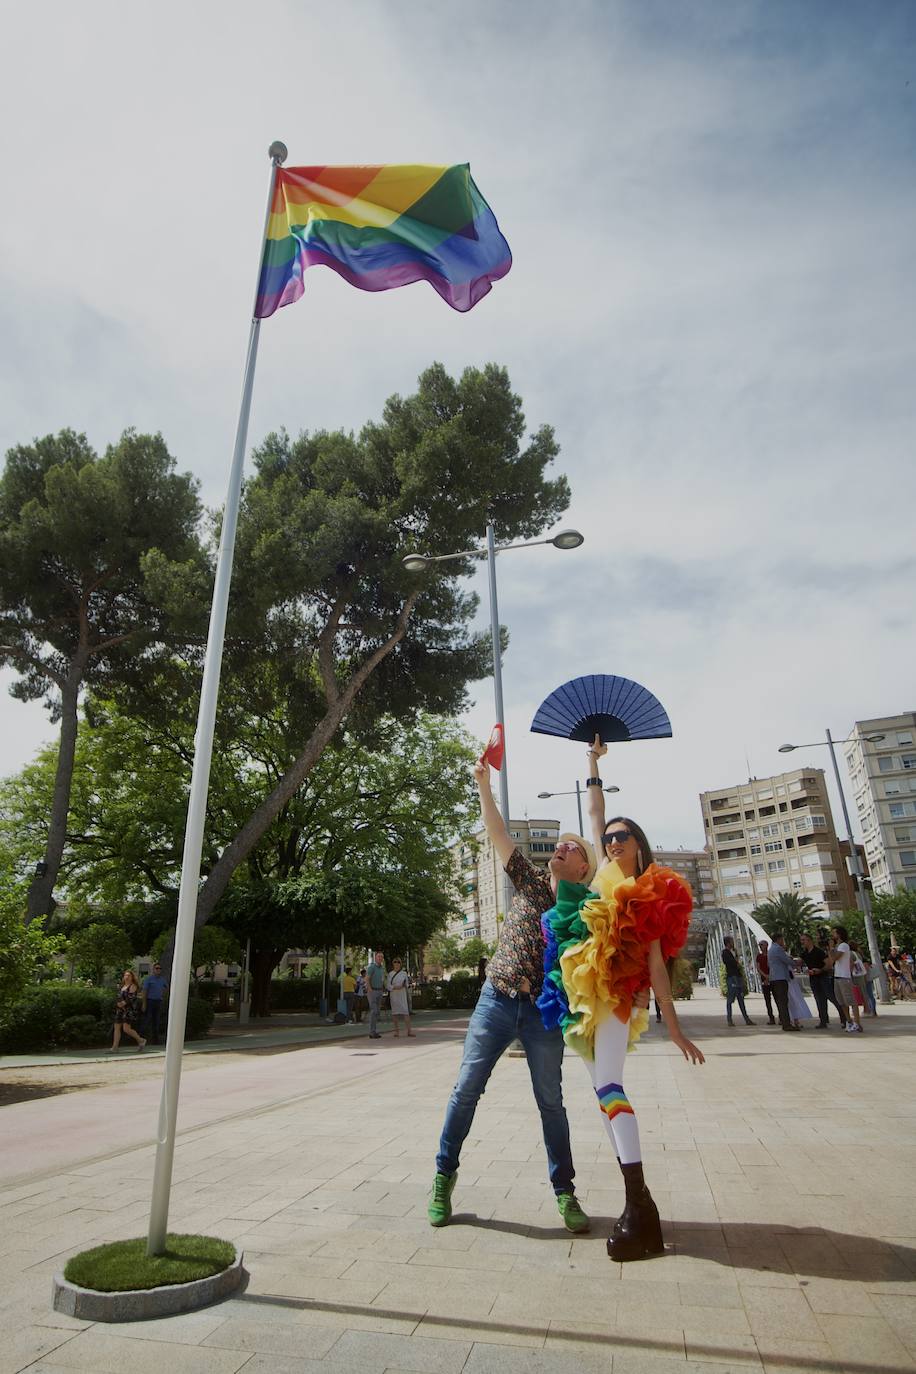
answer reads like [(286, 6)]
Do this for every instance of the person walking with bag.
[(127, 1010), (399, 993)]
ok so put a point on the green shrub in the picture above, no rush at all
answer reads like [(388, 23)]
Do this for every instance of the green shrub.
[(461, 990), (299, 994), (682, 980), (199, 1018), (83, 1030)]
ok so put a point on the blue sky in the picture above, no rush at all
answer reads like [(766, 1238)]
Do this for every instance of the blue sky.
[(712, 213)]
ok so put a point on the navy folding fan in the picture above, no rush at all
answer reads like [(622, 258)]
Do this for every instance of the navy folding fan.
[(615, 708)]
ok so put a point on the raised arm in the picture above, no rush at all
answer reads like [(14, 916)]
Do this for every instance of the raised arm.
[(661, 986), (496, 827), (594, 800)]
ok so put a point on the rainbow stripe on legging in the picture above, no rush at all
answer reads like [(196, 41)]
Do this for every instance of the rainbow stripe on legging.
[(613, 1100)]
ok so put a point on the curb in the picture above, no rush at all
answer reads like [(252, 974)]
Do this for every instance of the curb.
[(139, 1304)]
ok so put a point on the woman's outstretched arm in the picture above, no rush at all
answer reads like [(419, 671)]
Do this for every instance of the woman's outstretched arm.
[(594, 800), (661, 986)]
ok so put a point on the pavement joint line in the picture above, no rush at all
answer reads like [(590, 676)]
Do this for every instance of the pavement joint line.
[(189, 1133)]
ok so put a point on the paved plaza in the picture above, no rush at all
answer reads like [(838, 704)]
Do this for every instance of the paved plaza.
[(783, 1171)]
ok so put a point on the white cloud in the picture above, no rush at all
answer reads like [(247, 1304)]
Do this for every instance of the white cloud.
[(712, 216)]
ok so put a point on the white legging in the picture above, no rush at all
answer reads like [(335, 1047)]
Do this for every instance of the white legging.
[(606, 1071)]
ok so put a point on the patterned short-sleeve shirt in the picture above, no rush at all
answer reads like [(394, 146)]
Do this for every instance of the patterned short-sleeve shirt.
[(520, 952)]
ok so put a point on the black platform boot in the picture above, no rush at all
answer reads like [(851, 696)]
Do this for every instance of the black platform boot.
[(638, 1232)]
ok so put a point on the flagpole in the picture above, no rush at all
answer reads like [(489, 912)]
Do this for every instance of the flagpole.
[(200, 783)]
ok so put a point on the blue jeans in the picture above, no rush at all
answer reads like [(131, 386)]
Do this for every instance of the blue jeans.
[(734, 992), (495, 1023)]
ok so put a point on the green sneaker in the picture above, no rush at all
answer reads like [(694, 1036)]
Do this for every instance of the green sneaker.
[(574, 1219), (439, 1210)]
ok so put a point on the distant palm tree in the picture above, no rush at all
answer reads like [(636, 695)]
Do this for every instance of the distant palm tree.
[(790, 913)]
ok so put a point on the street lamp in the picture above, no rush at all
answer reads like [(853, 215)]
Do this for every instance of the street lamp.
[(864, 898), (417, 562), (578, 796)]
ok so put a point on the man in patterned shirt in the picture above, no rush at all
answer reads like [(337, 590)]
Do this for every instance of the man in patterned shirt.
[(506, 1010)]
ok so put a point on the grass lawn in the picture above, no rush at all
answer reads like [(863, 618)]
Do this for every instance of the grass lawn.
[(123, 1265)]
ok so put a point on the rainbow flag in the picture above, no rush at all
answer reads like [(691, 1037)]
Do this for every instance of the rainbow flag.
[(381, 227)]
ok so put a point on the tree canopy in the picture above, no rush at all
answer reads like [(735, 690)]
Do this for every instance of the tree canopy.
[(80, 539), (791, 913)]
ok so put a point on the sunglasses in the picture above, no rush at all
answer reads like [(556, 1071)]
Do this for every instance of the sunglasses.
[(568, 847), (616, 837)]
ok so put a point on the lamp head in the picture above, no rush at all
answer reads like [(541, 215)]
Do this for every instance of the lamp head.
[(415, 562), (612, 789), (568, 539), (873, 739), (542, 796), (787, 748)]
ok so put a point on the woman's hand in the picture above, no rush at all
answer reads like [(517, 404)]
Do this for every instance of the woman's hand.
[(688, 1049), (481, 773), (598, 749)]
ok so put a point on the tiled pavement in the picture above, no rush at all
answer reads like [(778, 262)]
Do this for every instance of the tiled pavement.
[(783, 1170)]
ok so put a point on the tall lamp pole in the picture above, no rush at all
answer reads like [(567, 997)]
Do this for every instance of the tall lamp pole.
[(543, 796), (862, 893), (417, 562)]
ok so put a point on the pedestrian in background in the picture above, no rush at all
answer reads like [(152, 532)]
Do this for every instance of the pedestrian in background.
[(375, 992), (734, 982), (127, 1010), (154, 989), (349, 991), (399, 993), (763, 968), (780, 976), (841, 961), (359, 1004), (821, 979)]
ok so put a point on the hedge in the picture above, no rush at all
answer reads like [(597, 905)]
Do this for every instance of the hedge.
[(52, 1016)]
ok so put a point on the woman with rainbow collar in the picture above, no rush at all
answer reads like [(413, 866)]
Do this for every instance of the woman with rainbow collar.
[(602, 948)]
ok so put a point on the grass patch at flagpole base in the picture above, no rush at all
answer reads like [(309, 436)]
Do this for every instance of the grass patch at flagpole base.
[(124, 1265), (121, 1282)]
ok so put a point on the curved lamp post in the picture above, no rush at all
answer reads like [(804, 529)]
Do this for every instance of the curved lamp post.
[(418, 562), (578, 796), (864, 898)]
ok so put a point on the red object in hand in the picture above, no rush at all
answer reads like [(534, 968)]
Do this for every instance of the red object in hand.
[(493, 754)]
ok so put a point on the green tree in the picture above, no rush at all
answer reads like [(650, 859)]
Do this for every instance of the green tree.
[(82, 541), (24, 947), (895, 918), (98, 949), (445, 950), (320, 591), (212, 945), (790, 913)]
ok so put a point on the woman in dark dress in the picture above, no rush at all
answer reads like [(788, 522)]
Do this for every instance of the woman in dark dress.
[(127, 1010)]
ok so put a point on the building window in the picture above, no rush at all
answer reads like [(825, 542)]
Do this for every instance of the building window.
[(755, 848), (909, 760), (904, 739), (776, 865), (773, 846), (908, 858), (885, 763), (758, 868), (896, 810), (902, 836)]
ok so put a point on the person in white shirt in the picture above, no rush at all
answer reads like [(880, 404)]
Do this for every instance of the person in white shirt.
[(841, 962)]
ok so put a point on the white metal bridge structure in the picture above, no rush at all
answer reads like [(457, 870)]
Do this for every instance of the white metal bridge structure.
[(717, 922)]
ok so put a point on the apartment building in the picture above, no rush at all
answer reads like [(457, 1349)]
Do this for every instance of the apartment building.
[(773, 835), (695, 867), (883, 777), (480, 874)]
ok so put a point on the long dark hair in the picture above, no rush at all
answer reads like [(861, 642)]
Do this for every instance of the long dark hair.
[(639, 835)]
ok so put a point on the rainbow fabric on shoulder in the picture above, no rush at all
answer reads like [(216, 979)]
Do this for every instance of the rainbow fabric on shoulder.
[(596, 949)]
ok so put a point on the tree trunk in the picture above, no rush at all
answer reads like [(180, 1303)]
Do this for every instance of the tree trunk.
[(41, 888), (263, 963), (262, 818)]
